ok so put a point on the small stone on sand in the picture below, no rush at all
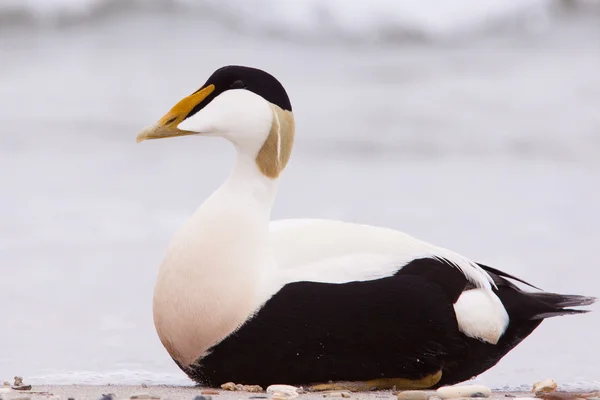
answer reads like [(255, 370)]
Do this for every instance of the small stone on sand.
[(210, 391), (244, 388), (454, 392), (338, 393), (545, 386), (283, 391), (143, 396), (413, 395), (202, 398)]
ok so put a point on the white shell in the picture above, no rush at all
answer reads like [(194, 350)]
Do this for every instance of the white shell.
[(413, 395), (283, 391), (338, 393), (547, 385), (453, 392)]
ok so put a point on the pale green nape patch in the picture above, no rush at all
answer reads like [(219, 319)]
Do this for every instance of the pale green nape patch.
[(275, 153)]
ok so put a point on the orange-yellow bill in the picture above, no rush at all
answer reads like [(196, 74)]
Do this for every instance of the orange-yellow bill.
[(167, 125)]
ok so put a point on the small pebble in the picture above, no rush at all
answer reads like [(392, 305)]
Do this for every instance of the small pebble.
[(453, 392), (109, 396), (22, 387), (202, 398), (413, 395), (337, 393), (71, 398), (247, 388), (228, 386), (547, 385), (260, 396), (283, 391), (144, 385), (467, 398), (562, 396), (143, 396), (210, 391)]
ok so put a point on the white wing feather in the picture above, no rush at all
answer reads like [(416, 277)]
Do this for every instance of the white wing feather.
[(334, 251)]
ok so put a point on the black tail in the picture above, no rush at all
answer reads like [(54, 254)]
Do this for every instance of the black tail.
[(534, 306), (526, 311), (555, 304)]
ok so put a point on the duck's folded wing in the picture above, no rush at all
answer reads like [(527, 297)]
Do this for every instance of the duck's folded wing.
[(328, 251), (332, 251)]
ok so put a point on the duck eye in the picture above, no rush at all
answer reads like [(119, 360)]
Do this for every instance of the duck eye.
[(239, 84)]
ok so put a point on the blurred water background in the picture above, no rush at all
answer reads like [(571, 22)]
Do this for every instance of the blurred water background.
[(473, 124)]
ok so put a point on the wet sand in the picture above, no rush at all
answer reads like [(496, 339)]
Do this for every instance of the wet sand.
[(190, 392), (81, 392)]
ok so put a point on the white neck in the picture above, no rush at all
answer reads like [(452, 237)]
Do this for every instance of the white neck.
[(250, 184), (209, 282)]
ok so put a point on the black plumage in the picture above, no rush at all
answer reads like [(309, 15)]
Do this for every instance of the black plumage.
[(402, 326)]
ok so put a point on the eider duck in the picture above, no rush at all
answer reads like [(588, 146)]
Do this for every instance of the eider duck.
[(318, 302)]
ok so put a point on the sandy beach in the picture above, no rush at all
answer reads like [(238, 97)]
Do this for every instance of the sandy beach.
[(96, 392)]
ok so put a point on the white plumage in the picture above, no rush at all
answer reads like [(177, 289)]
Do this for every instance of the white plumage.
[(230, 275)]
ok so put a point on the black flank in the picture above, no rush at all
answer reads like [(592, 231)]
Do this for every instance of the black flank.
[(402, 326)]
